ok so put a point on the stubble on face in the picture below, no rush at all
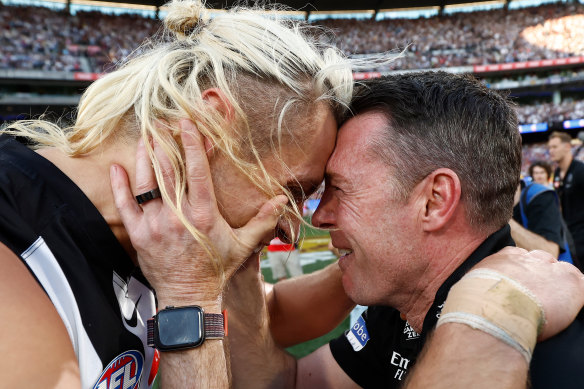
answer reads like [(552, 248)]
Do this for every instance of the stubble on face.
[(377, 228)]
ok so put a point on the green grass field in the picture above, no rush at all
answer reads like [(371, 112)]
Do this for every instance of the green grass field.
[(306, 348), (311, 239)]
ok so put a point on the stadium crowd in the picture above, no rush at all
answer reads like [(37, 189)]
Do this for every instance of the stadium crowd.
[(477, 38), (37, 38), (40, 38), (43, 39), (546, 112)]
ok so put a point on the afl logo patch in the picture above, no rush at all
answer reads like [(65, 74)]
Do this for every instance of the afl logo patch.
[(358, 336), (123, 372)]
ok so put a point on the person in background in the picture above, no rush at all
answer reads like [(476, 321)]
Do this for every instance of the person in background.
[(537, 222), (569, 183), (541, 173), (284, 256)]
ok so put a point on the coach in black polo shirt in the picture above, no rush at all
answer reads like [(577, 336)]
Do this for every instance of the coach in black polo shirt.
[(440, 213)]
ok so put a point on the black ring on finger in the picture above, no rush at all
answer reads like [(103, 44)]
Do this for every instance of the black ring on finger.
[(147, 196)]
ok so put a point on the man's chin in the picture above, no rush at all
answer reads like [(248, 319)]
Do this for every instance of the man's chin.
[(350, 289)]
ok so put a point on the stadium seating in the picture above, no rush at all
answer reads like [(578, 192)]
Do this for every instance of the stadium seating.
[(36, 38), (40, 38)]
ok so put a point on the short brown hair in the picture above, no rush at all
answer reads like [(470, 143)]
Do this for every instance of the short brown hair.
[(562, 136), (438, 119)]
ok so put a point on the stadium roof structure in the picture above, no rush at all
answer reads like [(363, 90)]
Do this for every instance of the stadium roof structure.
[(331, 5)]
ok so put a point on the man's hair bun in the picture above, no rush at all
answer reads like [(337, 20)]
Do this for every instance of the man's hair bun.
[(186, 18)]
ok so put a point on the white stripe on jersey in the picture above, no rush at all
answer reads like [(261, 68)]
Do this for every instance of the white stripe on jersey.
[(43, 264)]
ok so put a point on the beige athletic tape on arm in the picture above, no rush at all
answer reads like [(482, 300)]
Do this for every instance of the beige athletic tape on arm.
[(493, 303)]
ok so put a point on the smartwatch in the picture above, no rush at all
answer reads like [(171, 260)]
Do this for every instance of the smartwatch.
[(177, 328)]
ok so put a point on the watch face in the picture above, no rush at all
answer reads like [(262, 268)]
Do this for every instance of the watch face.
[(180, 328)]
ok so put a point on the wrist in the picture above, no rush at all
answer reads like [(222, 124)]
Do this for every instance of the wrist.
[(211, 305), (185, 327), (490, 302), (207, 298)]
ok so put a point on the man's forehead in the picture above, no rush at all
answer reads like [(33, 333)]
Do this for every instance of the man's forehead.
[(359, 133), (353, 149), (556, 142)]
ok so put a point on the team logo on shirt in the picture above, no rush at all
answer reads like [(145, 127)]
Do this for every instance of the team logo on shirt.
[(410, 332), (439, 310), (358, 336), (401, 365), (123, 372)]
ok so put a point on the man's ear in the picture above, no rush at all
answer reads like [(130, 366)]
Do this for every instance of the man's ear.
[(217, 100), (442, 193)]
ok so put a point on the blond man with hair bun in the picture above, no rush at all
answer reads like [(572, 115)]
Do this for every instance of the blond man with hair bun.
[(259, 99)]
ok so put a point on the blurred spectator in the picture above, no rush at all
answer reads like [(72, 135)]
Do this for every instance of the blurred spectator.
[(537, 221), (475, 38), (38, 38), (541, 173), (569, 183), (283, 256), (534, 152)]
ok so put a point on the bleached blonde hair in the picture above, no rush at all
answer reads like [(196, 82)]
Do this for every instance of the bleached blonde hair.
[(268, 70)]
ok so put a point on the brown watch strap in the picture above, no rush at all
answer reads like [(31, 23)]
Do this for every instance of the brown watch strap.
[(214, 325)]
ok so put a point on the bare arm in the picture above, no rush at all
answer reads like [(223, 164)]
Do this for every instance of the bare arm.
[(531, 241), (306, 307), (33, 339), (256, 360), (320, 370), (458, 356)]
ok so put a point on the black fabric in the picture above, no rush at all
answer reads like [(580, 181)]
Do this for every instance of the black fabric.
[(391, 339), (543, 217), (559, 362), (571, 193), (38, 203), (392, 348)]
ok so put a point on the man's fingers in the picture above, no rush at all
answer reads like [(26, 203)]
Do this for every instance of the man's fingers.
[(512, 250), (542, 255), (127, 206), (200, 185), (266, 219), (145, 179)]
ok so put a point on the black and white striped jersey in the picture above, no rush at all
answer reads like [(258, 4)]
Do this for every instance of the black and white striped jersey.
[(101, 296)]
